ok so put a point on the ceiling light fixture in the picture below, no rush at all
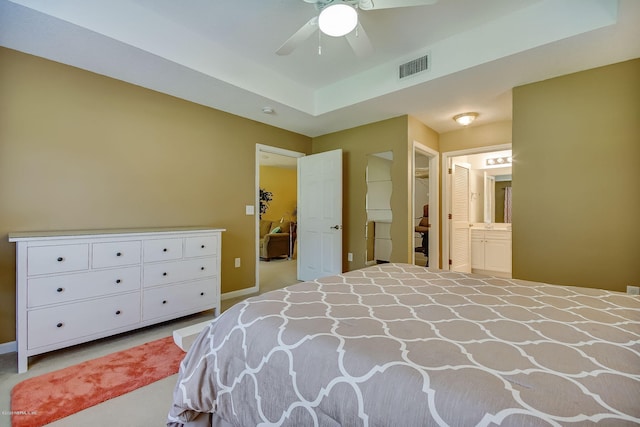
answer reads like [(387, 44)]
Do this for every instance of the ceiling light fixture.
[(465, 119), (337, 19)]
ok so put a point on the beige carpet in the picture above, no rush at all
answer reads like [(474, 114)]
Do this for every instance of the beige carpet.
[(146, 406), (274, 274), (277, 273)]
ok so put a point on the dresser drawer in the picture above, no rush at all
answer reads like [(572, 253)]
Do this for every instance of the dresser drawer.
[(200, 246), (162, 250), (55, 325), (179, 271), (57, 259), (164, 301), (115, 254), (70, 287)]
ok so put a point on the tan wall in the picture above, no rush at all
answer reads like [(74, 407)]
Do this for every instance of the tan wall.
[(357, 143), (79, 150), (576, 178), (283, 183), (496, 133), (423, 134)]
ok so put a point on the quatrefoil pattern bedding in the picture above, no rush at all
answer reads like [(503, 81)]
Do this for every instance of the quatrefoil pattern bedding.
[(400, 345)]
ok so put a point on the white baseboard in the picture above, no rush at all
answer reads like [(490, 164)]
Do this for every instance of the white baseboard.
[(8, 347), (239, 293)]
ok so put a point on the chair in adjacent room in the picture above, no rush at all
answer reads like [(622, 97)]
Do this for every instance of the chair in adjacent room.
[(275, 239), (423, 228)]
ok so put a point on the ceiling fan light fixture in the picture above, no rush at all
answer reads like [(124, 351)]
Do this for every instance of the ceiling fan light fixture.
[(336, 20), (465, 119)]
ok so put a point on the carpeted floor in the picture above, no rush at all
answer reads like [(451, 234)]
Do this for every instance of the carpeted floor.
[(146, 406)]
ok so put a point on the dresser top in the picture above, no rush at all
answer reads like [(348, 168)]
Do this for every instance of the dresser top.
[(44, 235)]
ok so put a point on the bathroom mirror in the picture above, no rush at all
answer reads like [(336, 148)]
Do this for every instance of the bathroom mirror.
[(378, 207), (496, 195)]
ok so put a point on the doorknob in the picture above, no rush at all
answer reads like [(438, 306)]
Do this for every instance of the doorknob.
[(337, 227)]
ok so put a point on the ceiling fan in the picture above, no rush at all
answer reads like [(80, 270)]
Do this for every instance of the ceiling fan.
[(338, 18)]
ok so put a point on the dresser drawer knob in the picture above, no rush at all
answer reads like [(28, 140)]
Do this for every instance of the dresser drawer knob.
[(164, 274), (118, 281), (60, 259), (60, 325), (202, 246), (119, 254), (201, 294), (202, 268), (60, 290), (165, 250), (118, 312), (164, 301)]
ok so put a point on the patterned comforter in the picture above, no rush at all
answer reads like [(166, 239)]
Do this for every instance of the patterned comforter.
[(400, 345)]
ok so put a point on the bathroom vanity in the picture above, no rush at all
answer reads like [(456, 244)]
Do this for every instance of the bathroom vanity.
[(491, 249)]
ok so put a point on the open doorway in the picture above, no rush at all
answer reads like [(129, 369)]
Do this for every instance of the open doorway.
[(276, 217), (425, 238), (478, 239)]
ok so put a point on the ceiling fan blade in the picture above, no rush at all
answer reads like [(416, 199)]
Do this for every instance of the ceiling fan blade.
[(359, 42), (388, 4), (299, 36)]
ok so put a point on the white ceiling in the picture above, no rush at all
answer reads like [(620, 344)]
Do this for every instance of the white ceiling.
[(221, 53)]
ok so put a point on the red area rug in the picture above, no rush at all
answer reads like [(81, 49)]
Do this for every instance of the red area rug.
[(49, 397)]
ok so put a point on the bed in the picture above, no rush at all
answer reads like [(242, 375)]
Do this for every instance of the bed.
[(401, 345)]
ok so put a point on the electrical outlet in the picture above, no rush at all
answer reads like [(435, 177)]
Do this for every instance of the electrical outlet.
[(350, 256), (237, 262), (633, 290)]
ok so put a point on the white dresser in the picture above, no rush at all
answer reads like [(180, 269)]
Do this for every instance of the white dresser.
[(77, 286)]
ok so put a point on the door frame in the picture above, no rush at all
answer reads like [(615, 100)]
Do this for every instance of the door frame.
[(434, 203), (261, 148), (447, 158)]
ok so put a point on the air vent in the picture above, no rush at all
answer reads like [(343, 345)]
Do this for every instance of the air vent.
[(414, 67)]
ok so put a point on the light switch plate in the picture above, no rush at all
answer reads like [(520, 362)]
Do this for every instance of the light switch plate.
[(250, 210)]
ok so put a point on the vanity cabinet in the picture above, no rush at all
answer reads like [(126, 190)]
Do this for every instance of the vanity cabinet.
[(77, 286), (491, 252)]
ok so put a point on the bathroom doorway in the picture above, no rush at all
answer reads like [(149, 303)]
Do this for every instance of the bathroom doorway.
[(483, 195)]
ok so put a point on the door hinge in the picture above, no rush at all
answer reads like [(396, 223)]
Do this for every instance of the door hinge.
[(450, 262), (450, 171), (450, 217)]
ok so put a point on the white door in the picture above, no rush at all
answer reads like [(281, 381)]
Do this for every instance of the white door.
[(460, 244), (320, 215)]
